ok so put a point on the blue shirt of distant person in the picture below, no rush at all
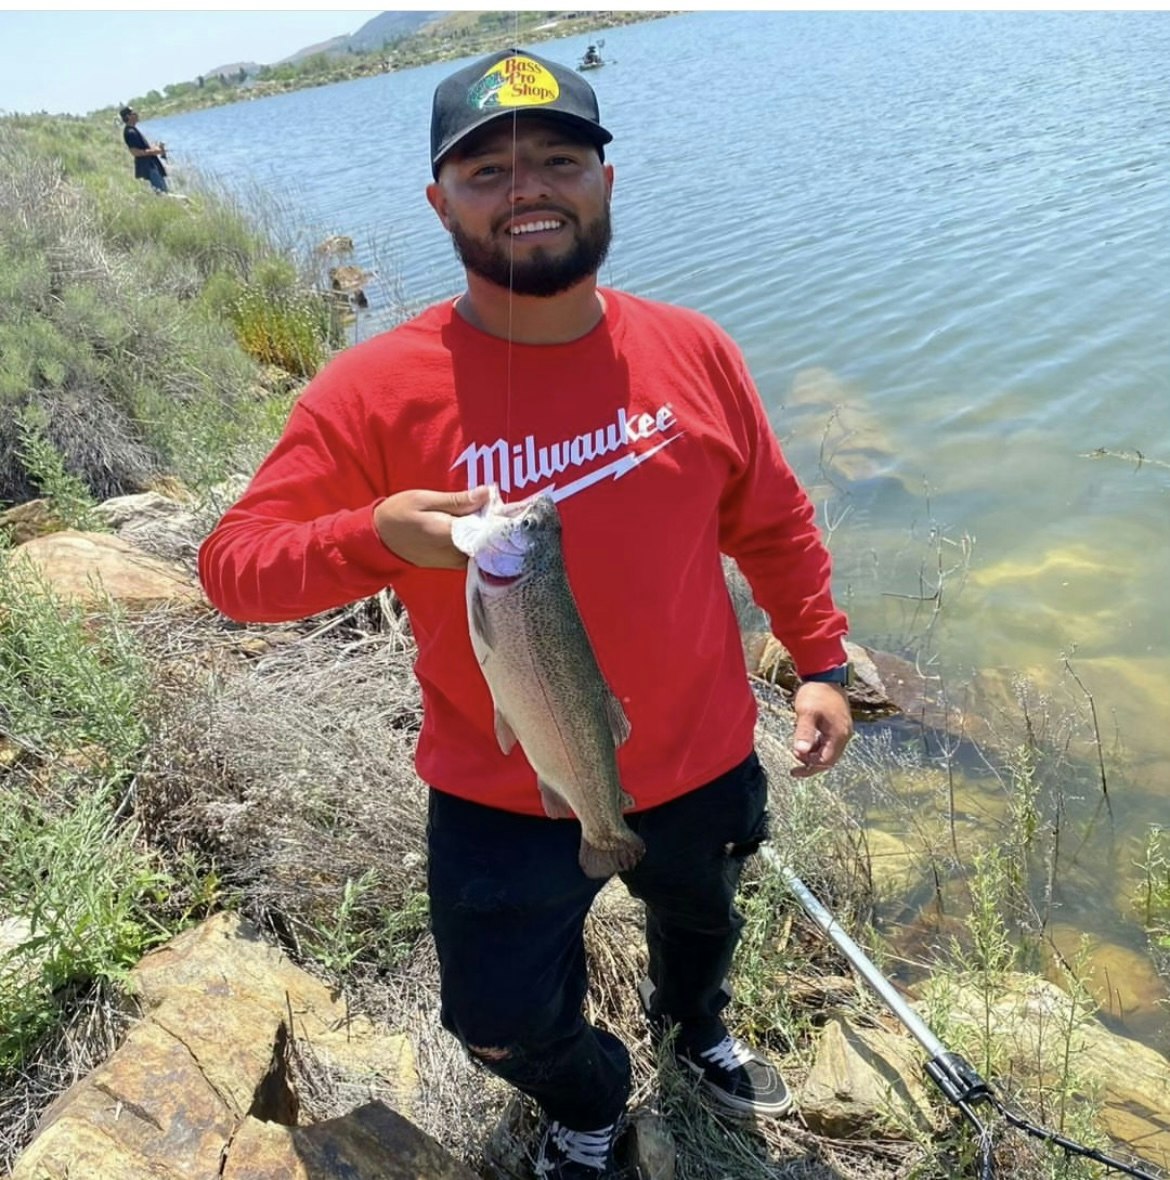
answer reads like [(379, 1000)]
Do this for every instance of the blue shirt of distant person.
[(148, 157)]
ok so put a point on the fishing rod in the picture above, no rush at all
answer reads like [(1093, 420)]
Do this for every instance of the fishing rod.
[(958, 1080)]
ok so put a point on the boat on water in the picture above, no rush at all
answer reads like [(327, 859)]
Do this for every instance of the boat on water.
[(591, 60)]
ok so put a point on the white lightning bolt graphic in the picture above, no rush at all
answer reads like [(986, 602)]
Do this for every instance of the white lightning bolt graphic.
[(616, 469)]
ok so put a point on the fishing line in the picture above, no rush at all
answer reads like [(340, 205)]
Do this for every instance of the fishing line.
[(960, 1084), (511, 267)]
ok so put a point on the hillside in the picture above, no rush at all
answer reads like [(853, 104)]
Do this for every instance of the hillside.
[(387, 42), (388, 27)]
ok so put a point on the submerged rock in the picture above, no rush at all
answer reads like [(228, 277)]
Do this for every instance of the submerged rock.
[(1039, 1029)]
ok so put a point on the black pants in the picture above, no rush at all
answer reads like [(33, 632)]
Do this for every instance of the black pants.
[(508, 906)]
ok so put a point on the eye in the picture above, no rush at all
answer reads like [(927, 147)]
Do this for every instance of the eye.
[(528, 524)]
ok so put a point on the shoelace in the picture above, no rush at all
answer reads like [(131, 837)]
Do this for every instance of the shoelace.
[(588, 1148), (729, 1054)]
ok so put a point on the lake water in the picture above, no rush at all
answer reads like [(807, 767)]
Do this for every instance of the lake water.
[(943, 242)]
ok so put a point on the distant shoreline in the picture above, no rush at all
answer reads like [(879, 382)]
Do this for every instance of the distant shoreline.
[(461, 34)]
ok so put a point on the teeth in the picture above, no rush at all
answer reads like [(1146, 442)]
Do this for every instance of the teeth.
[(534, 227)]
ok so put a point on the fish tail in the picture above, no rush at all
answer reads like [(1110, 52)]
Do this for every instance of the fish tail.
[(625, 852)]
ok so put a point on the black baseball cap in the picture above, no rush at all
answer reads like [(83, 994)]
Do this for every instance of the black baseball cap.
[(511, 82)]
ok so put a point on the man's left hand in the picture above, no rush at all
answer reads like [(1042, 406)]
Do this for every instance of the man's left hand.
[(824, 726)]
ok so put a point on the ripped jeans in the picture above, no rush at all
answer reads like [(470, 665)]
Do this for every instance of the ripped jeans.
[(508, 906)]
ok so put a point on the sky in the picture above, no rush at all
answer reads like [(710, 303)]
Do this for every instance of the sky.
[(75, 60)]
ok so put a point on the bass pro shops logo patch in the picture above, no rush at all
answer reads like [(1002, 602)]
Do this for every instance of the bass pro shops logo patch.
[(514, 82)]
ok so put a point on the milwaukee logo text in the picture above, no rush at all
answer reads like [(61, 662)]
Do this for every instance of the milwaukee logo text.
[(529, 462)]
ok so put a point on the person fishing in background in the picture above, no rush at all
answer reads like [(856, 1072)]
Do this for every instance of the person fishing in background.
[(148, 157), (644, 421)]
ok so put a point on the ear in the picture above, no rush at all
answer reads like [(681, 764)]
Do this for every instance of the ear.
[(608, 169), (438, 202)]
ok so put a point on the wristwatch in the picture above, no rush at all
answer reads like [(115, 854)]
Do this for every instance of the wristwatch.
[(841, 675)]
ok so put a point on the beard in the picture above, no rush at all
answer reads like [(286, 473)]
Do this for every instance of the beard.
[(540, 273)]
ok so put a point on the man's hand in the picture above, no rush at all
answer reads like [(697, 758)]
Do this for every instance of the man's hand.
[(824, 726), (416, 525)]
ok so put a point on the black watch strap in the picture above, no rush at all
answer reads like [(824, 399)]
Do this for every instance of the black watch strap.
[(841, 675)]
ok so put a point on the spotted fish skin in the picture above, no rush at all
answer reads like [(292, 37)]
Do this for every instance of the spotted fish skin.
[(546, 686)]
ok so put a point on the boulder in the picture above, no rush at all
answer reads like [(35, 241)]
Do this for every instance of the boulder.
[(122, 511), (23, 522), (154, 523), (895, 865), (208, 1067), (868, 697), (19, 968), (1037, 1026), (87, 566), (864, 1083), (347, 278), (1131, 995), (372, 1142), (334, 244)]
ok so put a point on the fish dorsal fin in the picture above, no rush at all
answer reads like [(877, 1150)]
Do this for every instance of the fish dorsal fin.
[(505, 735), (555, 806), (619, 723), (479, 618)]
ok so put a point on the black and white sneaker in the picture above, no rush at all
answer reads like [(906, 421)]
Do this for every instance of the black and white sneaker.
[(737, 1078), (577, 1155), (733, 1075)]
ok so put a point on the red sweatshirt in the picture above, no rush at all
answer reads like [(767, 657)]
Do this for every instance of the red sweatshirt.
[(651, 428)]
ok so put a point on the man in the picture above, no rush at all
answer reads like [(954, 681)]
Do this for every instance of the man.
[(645, 419), (148, 157)]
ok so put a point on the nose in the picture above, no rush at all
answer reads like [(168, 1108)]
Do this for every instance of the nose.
[(528, 181)]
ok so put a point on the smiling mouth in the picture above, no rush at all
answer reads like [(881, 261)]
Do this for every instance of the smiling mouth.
[(534, 227)]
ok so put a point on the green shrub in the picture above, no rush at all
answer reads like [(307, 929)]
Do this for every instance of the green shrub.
[(68, 495), (219, 294), (66, 684), (85, 886), (288, 328), (1154, 898)]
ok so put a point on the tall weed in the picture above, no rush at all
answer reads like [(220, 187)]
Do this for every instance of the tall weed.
[(65, 683), (83, 885), (67, 494)]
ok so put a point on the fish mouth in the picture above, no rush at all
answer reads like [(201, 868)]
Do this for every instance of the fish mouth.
[(492, 579), (501, 562)]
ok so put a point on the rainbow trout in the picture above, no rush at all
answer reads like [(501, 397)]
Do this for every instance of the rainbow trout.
[(548, 691)]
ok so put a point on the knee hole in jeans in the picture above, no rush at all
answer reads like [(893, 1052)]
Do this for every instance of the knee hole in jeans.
[(487, 1053)]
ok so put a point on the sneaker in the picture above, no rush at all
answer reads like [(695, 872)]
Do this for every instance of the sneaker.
[(577, 1155), (737, 1078), (732, 1074)]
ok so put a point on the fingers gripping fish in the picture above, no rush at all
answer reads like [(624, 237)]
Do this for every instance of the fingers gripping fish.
[(548, 691)]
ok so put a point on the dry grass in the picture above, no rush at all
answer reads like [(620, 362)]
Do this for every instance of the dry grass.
[(293, 769), (93, 1026), (283, 756)]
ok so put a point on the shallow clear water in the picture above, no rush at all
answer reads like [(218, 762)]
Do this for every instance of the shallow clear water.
[(943, 241)]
